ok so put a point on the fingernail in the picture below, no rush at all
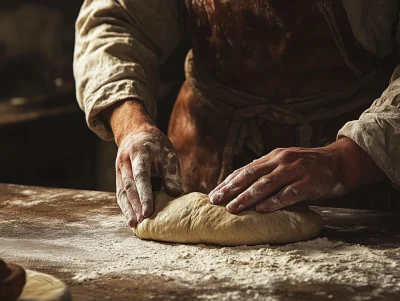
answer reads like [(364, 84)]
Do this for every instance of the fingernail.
[(132, 223), (175, 190), (232, 206), (146, 212), (216, 197), (140, 218)]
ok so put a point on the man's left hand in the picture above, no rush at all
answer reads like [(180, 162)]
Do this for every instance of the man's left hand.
[(288, 176)]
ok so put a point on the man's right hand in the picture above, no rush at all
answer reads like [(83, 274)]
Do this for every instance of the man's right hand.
[(143, 151)]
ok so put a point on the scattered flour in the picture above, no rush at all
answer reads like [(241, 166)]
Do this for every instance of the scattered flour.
[(24, 203), (49, 198), (102, 245)]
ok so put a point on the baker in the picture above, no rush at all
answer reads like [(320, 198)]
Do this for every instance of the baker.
[(284, 101)]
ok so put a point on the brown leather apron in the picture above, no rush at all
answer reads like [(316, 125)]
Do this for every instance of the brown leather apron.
[(266, 74)]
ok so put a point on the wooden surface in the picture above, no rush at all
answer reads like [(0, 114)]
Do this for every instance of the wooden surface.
[(19, 219)]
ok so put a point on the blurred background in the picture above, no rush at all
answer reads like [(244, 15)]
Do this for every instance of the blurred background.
[(45, 138)]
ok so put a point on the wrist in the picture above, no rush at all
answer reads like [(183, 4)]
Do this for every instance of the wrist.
[(356, 167), (127, 117)]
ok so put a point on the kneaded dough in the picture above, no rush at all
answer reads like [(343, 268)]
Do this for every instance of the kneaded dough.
[(44, 287), (192, 219)]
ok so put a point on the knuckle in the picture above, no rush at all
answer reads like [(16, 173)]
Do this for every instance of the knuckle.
[(227, 188), (301, 163), (141, 158), (290, 192), (287, 155), (122, 159), (232, 176), (247, 171), (276, 151), (251, 193), (151, 146), (119, 194), (140, 168), (243, 197), (237, 171), (141, 178), (139, 171), (263, 181), (238, 181), (232, 185), (143, 185), (128, 184), (278, 202)]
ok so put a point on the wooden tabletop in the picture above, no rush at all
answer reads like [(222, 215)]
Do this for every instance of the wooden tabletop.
[(39, 229)]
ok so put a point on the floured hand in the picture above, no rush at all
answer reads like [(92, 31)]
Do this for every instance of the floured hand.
[(140, 156), (143, 151), (288, 176)]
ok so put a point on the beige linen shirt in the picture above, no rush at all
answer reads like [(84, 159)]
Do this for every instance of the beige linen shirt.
[(120, 45)]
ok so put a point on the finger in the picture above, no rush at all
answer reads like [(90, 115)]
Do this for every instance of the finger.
[(255, 162), (260, 189), (235, 173), (141, 173), (124, 203), (289, 195), (129, 187), (223, 183), (127, 210), (170, 174), (243, 180)]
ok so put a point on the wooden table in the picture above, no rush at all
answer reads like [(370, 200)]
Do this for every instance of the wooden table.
[(32, 217)]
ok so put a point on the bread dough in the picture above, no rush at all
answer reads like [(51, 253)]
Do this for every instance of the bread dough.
[(44, 287), (192, 219)]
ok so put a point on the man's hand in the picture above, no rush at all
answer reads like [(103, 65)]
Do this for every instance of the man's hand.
[(288, 176), (143, 151)]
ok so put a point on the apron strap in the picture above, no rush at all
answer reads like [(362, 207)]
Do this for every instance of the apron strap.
[(326, 8)]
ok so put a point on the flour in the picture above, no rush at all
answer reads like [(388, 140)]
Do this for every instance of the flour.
[(25, 204), (103, 246)]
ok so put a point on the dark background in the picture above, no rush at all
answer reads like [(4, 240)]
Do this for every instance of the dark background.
[(45, 140)]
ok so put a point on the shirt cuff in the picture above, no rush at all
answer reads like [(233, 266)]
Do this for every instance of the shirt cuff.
[(110, 94), (377, 143)]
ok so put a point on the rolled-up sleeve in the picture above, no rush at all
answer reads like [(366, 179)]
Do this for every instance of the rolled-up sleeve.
[(377, 132), (119, 46)]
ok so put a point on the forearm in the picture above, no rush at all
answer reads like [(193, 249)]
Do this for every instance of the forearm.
[(118, 52), (377, 132), (357, 167), (126, 117)]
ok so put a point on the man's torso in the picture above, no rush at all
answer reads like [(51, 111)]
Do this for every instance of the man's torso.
[(274, 48)]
